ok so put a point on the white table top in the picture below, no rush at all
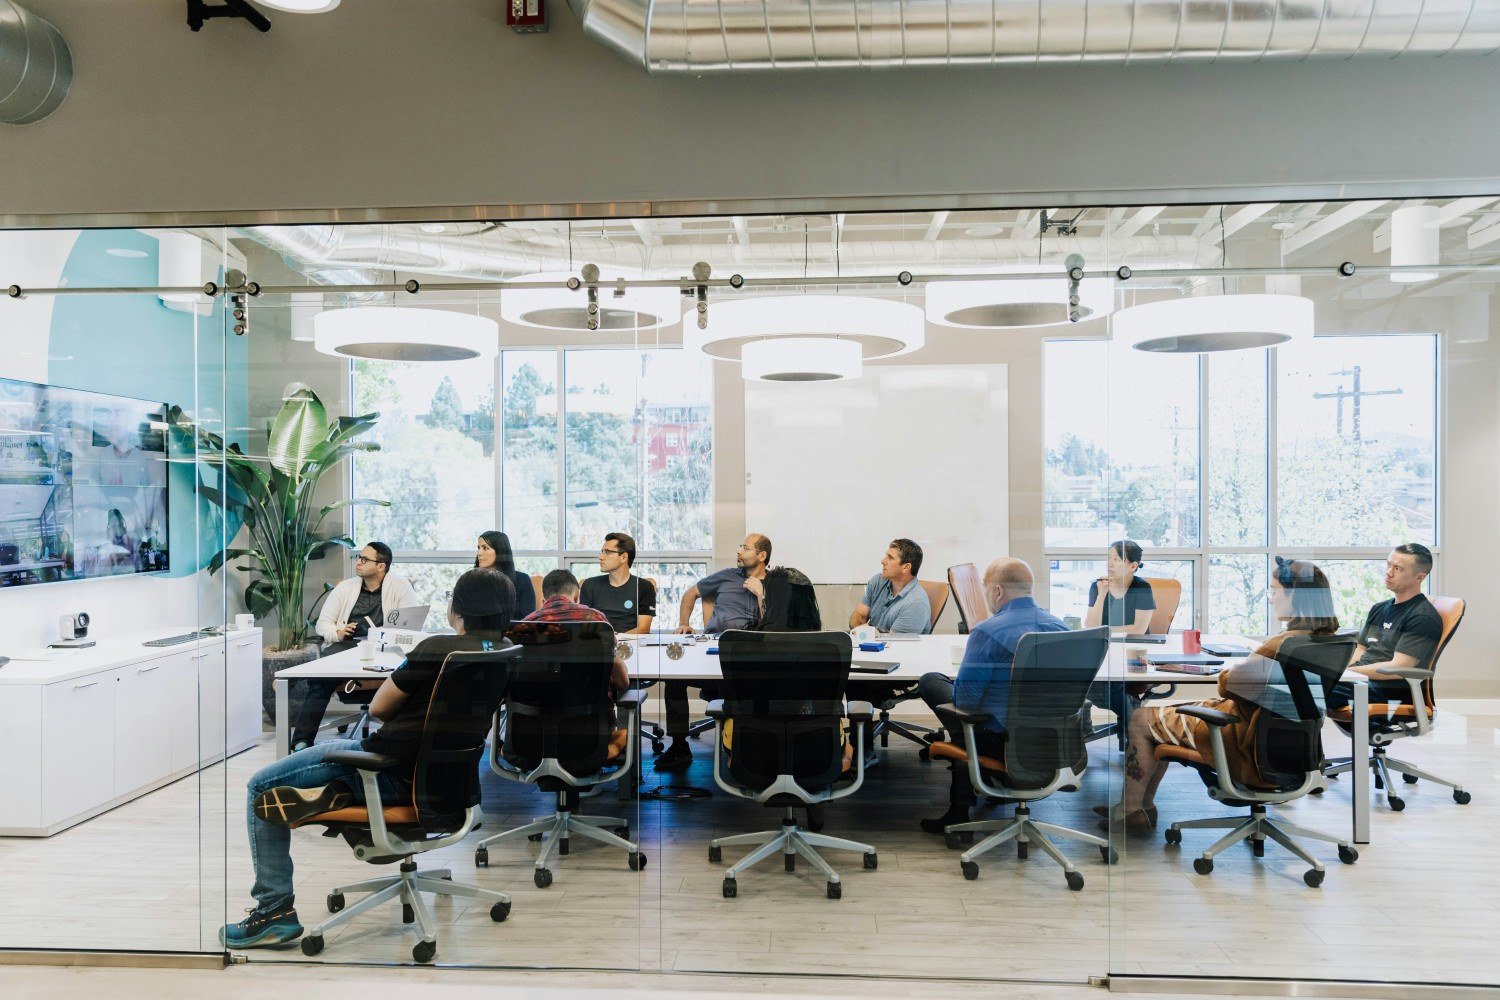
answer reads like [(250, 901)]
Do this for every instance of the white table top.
[(107, 653)]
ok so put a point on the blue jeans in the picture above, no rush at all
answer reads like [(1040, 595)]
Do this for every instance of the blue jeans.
[(271, 845)]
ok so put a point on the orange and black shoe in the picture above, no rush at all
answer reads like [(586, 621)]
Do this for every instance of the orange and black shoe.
[(288, 806)]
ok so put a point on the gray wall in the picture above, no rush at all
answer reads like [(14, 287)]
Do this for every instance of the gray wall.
[(386, 103)]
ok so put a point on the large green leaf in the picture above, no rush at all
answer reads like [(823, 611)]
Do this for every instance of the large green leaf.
[(220, 558), (300, 427), (260, 598)]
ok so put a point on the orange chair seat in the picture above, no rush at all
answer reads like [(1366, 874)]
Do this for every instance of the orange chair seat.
[(617, 741), (359, 814), (1378, 712), (1186, 755), (952, 751)]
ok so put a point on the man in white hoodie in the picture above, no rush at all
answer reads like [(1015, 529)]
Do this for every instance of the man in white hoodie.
[(370, 595)]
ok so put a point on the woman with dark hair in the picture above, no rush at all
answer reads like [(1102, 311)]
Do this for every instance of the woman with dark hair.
[(494, 552), (1121, 599), (1302, 601)]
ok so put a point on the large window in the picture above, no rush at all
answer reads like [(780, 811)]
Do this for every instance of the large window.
[(1325, 449)]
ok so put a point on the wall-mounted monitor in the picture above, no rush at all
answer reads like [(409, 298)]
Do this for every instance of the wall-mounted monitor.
[(83, 484)]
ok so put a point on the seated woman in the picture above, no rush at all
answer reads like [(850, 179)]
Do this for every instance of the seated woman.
[(1121, 599), (493, 552), (1301, 599)]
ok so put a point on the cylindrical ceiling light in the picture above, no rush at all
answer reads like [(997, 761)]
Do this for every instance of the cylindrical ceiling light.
[(300, 6), (1015, 303), (1207, 323), (302, 312), (567, 309), (880, 327), (1414, 241), (800, 359), (405, 333), (179, 264)]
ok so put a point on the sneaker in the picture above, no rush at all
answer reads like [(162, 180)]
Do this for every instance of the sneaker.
[(288, 806), (677, 757), (261, 930)]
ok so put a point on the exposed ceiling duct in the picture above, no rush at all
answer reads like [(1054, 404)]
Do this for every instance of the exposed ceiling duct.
[(702, 36), (36, 66)]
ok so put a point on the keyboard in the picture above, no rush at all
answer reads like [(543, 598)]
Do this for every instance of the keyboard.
[(173, 640)]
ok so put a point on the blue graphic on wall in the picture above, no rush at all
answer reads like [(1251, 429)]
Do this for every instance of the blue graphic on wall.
[(133, 345)]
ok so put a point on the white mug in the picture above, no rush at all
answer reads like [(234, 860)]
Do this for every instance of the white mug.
[(366, 650), (865, 633), (243, 622)]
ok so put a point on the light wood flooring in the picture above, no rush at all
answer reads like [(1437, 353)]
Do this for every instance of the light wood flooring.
[(1421, 904)]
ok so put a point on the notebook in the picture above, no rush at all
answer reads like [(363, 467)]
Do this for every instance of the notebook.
[(1225, 649), (872, 667), (1200, 669)]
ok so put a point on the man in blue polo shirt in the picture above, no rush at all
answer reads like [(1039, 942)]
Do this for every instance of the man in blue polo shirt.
[(894, 601), (983, 682)]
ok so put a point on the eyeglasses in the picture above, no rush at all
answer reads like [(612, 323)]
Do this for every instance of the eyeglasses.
[(365, 559), (611, 552)]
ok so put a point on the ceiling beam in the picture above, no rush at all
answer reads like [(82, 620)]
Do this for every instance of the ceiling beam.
[(1327, 226), (1484, 231), (935, 227), (1137, 221), (645, 232), (741, 230)]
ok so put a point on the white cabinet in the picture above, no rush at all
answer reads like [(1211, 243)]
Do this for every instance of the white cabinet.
[(243, 679), (212, 707), (78, 742), (143, 737)]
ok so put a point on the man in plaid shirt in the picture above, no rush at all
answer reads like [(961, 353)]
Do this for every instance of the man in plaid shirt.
[(560, 604)]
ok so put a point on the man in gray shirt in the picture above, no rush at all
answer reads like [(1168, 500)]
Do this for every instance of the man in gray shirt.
[(894, 601)]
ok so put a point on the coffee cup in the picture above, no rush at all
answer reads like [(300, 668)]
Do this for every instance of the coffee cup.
[(242, 622), (1073, 622), (1192, 641), (366, 650), (865, 633), (1135, 660)]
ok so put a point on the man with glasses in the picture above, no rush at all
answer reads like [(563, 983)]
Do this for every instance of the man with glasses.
[(628, 601), (369, 595)]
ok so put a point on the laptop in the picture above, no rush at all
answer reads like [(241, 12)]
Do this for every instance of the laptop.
[(1183, 659), (413, 618)]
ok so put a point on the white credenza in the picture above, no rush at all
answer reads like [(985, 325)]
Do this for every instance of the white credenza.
[(97, 727)]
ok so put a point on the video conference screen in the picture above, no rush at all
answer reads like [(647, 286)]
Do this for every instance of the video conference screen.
[(83, 485)]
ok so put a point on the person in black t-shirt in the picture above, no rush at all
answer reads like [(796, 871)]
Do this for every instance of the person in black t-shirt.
[(1121, 600), (628, 601), (1402, 632), (285, 793)]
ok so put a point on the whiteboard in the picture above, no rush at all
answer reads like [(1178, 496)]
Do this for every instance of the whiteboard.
[(835, 470)]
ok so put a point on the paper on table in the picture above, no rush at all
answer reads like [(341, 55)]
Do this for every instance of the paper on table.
[(39, 654)]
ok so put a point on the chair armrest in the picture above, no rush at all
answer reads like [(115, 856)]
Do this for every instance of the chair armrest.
[(716, 710), (1410, 673), (859, 711), (977, 718), (632, 699), (1212, 716), (361, 759)]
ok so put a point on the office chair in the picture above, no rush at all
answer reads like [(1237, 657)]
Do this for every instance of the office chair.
[(1046, 722), (560, 736), (784, 692), (442, 810), (968, 591), (1287, 723), (1389, 723), (886, 695)]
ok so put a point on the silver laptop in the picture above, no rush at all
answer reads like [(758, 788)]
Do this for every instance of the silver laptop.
[(407, 617)]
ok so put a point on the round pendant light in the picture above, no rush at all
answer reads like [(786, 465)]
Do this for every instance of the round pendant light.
[(405, 333), (880, 328), (1414, 241), (300, 6), (801, 359), (179, 263), (1015, 303), (1203, 324), (567, 309)]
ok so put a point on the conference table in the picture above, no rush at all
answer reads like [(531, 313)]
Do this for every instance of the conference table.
[(690, 659)]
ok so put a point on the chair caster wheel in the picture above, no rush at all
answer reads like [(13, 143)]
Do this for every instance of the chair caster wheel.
[(1313, 878), (408, 915), (335, 902), (1021, 847), (424, 950), (1461, 797), (1075, 881), (924, 754), (790, 862), (1258, 848), (623, 832), (542, 877), (657, 746), (970, 869), (835, 890), (1315, 791), (956, 841), (637, 861), (1173, 835), (312, 944), (533, 837), (716, 854), (1348, 855), (871, 861), (499, 912), (731, 888), (482, 858), (1203, 866), (1410, 779), (1396, 804), (1109, 854)]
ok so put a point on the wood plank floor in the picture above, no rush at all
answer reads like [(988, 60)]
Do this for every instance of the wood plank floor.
[(1421, 904)]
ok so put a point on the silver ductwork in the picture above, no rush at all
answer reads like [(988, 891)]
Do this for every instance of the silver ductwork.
[(703, 36), (36, 66)]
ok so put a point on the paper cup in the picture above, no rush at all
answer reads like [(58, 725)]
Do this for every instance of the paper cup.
[(367, 650), (1135, 660)]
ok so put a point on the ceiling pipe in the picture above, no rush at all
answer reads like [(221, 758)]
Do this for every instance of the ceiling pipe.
[(36, 66), (704, 36)]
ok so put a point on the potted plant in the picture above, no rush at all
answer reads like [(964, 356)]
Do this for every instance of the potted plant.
[(272, 497)]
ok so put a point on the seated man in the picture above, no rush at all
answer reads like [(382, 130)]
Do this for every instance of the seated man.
[(983, 683), (731, 599), (628, 601), (1402, 632), (304, 784), (894, 601), (560, 604), (370, 593)]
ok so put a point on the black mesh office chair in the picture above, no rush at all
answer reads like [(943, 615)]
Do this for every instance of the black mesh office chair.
[(441, 811), (1289, 697), (560, 736), (1046, 725), (784, 694)]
